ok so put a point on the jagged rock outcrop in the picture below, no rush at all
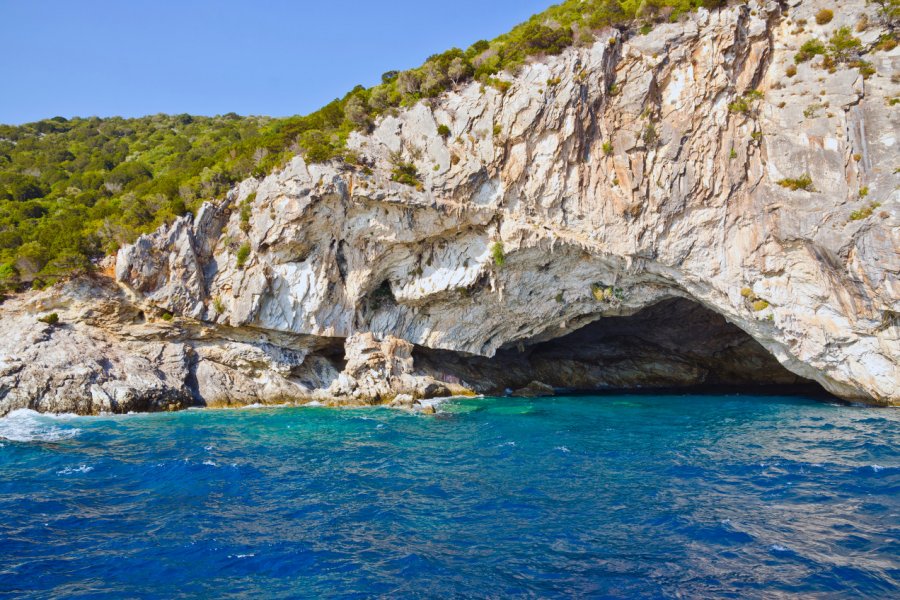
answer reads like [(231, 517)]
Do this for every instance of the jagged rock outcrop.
[(605, 181)]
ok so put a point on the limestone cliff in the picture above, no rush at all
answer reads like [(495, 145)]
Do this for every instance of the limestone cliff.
[(620, 184)]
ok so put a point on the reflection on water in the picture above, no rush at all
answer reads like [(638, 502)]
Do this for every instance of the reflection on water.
[(622, 496)]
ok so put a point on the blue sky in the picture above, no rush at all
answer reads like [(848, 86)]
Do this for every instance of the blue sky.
[(134, 57)]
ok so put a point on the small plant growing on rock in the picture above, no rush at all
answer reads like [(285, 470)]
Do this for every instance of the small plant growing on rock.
[(650, 136), (747, 293), (864, 213), (824, 16), (407, 174), (243, 254), (790, 71), (443, 131), (553, 81), (497, 254), (812, 111), (804, 182), (744, 104), (607, 148), (218, 305), (607, 293), (759, 305), (808, 50), (167, 316), (733, 154), (51, 319), (864, 191), (843, 45)]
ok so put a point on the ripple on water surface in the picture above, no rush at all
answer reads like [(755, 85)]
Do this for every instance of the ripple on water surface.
[(616, 496)]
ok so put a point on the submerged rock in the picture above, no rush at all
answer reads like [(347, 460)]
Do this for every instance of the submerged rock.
[(604, 184), (534, 389)]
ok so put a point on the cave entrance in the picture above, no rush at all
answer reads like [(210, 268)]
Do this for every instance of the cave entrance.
[(674, 344)]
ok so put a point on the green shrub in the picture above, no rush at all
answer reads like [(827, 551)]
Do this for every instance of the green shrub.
[(790, 71), (824, 16), (247, 212), (497, 254), (843, 45), (167, 316), (243, 254), (808, 50), (606, 293), (407, 174), (649, 135), (864, 212), (863, 191), (759, 305), (607, 148), (218, 305), (745, 103), (51, 319), (443, 131), (804, 182)]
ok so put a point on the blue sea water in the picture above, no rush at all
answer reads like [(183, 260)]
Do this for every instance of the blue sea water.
[(631, 496)]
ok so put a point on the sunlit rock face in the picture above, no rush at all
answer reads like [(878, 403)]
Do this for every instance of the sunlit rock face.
[(606, 181)]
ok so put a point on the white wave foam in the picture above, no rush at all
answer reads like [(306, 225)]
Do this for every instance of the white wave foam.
[(778, 548), (877, 468), (209, 463), (563, 449), (24, 425), (72, 470)]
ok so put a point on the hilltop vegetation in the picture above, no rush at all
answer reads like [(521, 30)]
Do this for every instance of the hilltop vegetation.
[(74, 190)]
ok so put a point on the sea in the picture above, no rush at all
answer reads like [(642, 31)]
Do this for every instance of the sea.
[(611, 496)]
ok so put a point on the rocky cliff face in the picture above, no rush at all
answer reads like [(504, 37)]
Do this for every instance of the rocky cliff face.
[(620, 183)]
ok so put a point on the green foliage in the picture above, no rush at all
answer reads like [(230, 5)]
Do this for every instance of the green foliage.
[(443, 131), (809, 49), (804, 182), (497, 254), (607, 148), (843, 45), (407, 174), (745, 103), (864, 212), (247, 211), (74, 190), (243, 254), (218, 305), (51, 319), (649, 135), (167, 316), (759, 305), (606, 293), (824, 16)]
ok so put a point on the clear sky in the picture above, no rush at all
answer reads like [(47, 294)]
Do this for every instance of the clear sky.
[(277, 57)]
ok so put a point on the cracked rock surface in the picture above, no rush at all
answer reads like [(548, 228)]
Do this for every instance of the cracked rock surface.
[(619, 177)]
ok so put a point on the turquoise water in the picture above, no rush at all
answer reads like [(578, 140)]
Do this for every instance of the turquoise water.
[(612, 496)]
